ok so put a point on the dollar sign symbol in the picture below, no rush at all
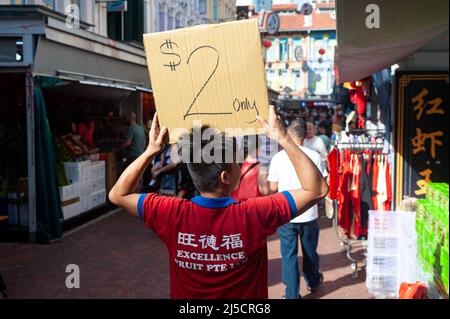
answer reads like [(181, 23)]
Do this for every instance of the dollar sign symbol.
[(166, 49)]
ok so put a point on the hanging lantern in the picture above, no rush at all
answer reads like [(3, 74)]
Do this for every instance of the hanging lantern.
[(322, 51), (267, 44)]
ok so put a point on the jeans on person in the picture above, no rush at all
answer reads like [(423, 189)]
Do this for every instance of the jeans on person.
[(309, 239)]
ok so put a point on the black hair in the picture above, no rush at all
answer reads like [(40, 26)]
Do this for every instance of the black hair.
[(327, 126), (205, 176)]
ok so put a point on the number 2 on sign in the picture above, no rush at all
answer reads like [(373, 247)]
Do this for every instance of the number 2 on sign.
[(205, 84)]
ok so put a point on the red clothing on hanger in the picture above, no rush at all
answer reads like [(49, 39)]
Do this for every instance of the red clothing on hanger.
[(333, 176), (345, 208), (358, 97), (356, 191)]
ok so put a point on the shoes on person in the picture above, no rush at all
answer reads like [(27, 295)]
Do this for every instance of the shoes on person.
[(316, 288)]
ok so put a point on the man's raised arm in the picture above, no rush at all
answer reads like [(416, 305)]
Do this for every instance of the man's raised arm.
[(123, 193), (314, 186)]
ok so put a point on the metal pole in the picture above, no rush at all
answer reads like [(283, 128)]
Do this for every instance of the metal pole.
[(31, 156)]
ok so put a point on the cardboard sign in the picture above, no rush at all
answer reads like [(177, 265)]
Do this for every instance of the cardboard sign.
[(208, 75)]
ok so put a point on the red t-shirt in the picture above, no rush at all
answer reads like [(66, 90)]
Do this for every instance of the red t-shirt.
[(217, 247)]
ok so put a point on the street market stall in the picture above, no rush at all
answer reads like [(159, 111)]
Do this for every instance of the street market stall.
[(408, 64), (57, 71)]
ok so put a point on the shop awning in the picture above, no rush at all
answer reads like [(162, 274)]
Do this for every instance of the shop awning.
[(67, 62), (405, 26)]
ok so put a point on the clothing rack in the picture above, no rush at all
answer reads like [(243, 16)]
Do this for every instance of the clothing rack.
[(364, 146), (347, 243)]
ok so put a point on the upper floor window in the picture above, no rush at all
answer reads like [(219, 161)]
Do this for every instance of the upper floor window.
[(202, 6), (170, 22), (284, 49), (162, 21), (178, 21), (215, 9), (49, 4), (273, 52)]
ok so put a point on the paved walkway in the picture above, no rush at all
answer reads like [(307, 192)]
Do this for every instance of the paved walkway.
[(119, 258)]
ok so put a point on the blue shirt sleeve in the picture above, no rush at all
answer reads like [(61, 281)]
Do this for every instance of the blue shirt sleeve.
[(291, 202)]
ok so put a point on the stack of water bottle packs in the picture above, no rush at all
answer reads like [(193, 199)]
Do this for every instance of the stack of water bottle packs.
[(391, 252)]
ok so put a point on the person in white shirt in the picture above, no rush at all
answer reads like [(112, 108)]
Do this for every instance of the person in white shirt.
[(281, 178), (314, 142)]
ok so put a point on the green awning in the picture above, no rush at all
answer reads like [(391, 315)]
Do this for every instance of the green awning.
[(48, 204)]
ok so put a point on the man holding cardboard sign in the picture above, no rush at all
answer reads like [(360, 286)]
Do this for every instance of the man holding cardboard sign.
[(217, 247), (208, 75)]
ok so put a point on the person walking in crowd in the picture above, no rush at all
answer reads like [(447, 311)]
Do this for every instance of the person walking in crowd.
[(134, 141), (282, 177), (253, 182), (313, 142), (324, 129), (218, 247)]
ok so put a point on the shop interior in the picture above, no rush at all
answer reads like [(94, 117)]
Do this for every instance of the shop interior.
[(88, 125), (13, 157)]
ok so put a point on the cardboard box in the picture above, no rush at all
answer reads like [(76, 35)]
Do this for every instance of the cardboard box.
[(71, 210), (208, 75), (97, 199), (76, 172), (69, 192)]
